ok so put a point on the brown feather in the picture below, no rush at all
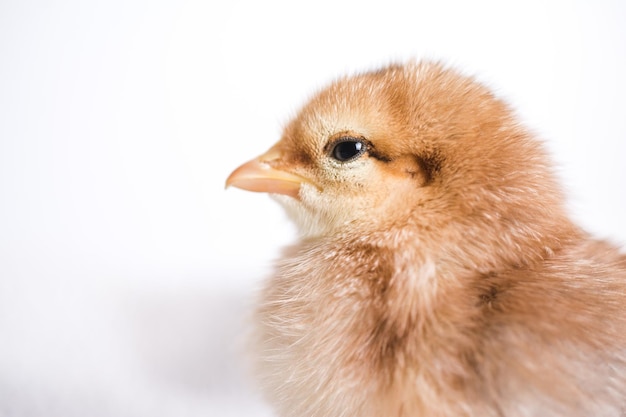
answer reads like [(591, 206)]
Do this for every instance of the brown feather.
[(438, 274)]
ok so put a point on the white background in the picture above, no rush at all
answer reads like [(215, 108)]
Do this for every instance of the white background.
[(126, 269)]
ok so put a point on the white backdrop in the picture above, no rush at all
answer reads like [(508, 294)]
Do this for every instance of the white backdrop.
[(126, 269)]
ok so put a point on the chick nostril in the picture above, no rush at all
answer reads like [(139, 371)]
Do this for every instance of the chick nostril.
[(270, 156)]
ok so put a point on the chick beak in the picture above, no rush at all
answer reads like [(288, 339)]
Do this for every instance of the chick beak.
[(259, 175)]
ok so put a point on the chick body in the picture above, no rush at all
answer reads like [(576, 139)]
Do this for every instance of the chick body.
[(438, 273)]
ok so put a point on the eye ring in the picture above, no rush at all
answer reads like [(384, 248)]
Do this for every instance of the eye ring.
[(347, 149)]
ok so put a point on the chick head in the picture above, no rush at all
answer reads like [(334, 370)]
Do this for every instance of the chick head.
[(407, 147)]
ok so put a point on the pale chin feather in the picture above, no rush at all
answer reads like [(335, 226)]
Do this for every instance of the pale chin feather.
[(307, 222), (306, 214)]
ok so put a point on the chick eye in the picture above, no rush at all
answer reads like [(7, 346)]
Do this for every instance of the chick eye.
[(347, 149)]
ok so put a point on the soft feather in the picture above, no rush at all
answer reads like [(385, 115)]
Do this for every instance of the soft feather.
[(438, 274)]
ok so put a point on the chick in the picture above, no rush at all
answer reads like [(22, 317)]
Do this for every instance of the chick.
[(437, 272)]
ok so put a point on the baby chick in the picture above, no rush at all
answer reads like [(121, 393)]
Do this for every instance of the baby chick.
[(437, 274)]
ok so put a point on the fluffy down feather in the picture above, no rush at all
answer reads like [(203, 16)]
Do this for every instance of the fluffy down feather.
[(437, 274)]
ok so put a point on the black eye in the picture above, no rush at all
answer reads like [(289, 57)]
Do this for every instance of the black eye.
[(347, 149)]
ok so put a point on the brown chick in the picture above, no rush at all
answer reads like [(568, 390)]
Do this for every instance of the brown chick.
[(437, 274)]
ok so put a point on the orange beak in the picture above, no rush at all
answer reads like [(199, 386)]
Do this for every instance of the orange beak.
[(259, 175)]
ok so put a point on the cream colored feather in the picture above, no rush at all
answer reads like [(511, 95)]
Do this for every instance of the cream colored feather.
[(437, 274)]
